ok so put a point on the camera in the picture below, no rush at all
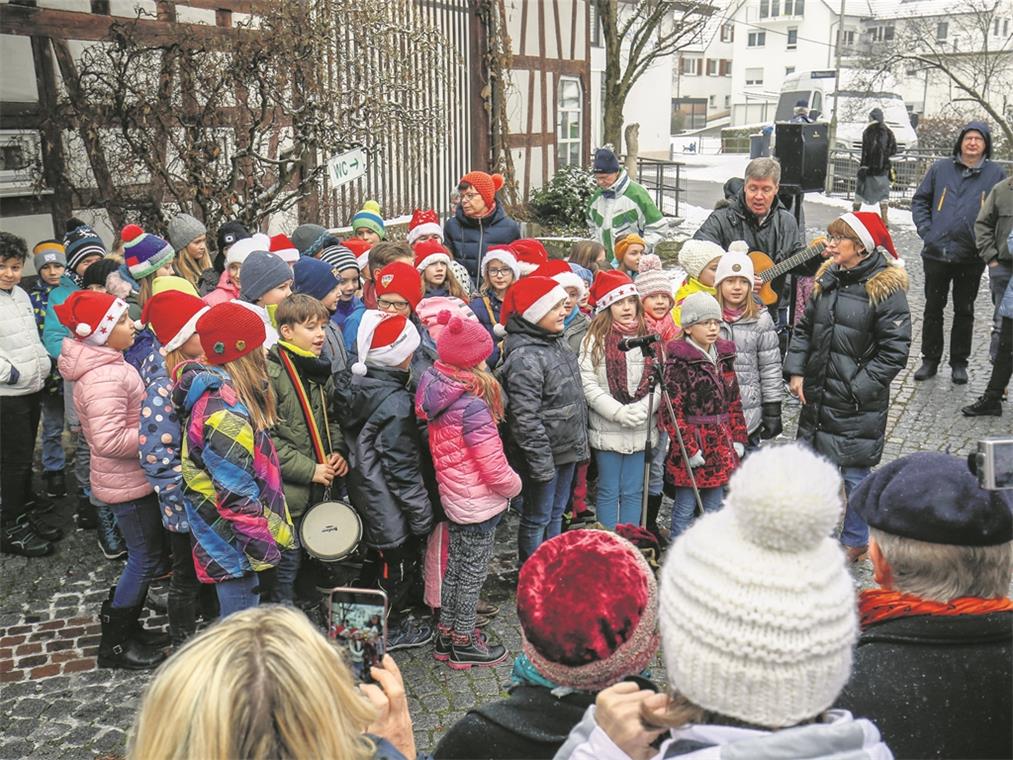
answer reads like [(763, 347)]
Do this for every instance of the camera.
[(640, 341), (993, 462)]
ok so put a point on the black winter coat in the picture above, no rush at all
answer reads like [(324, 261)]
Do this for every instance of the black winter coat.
[(546, 412), (851, 342), (937, 687), (777, 235), (878, 144), (385, 482), (469, 239)]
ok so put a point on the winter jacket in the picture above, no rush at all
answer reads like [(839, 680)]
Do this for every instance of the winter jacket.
[(689, 287), (937, 686), (836, 735), (53, 331), (849, 345), (144, 343), (291, 434), (948, 200), (621, 209), (878, 145), (994, 224), (575, 330), (345, 309), (38, 294), (160, 439), (225, 291), (207, 281), (777, 235), (708, 410), (757, 364), (385, 483), (238, 516), (469, 239), (546, 414), (475, 480), (108, 394), (604, 432), (24, 363), (487, 310)]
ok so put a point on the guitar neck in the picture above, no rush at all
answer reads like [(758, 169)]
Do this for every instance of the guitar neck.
[(788, 264)]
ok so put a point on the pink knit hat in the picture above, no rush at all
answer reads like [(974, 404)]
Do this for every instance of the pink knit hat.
[(652, 278), (464, 343)]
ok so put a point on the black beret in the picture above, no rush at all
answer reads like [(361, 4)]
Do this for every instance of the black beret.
[(934, 497)]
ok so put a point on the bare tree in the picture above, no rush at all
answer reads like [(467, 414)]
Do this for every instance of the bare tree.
[(636, 35), (238, 122)]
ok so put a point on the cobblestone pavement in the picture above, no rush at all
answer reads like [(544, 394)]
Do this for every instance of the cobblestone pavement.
[(55, 704)]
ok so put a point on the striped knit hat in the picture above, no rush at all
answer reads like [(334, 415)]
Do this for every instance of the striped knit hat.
[(143, 252), (369, 217), (339, 257), (80, 242)]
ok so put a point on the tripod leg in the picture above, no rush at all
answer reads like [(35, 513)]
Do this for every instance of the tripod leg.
[(647, 456), (682, 447)]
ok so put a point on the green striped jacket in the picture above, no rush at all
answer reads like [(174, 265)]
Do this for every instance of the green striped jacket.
[(621, 209)]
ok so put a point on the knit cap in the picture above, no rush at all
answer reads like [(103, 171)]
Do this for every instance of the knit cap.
[(530, 254), (305, 235), (228, 331), (98, 273), (242, 249), (312, 277), (581, 633), (430, 252), (610, 286), (80, 242), (505, 257), (90, 315), (758, 615), (605, 161), (48, 252), (623, 245), (423, 223), (143, 252), (369, 216), (698, 307), (486, 185), (284, 248), (531, 299), (695, 255), (229, 233), (560, 271), (173, 316), (183, 230), (384, 340), (261, 272), (585, 275), (429, 310), (734, 264), (651, 278), (400, 278), (464, 343), (172, 282)]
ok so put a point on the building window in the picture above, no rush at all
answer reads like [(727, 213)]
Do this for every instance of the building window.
[(882, 33), (849, 38), (728, 32), (1005, 27), (712, 101), (754, 77), (794, 7), (691, 66), (688, 114), (712, 67), (569, 122), (728, 101), (724, 68), (764, 8), (789, 70), (775, 8), (757, 39), (595, 20), (792, 38), (942, 30)]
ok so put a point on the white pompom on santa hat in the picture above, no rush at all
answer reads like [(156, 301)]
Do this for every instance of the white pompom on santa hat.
[(91, 315), (530, 298), (384, 340), (869, 228)]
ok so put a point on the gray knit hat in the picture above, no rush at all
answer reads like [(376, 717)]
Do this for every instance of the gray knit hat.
[(49, 252), (261, 272), (306, 235), (699, 307), (183, 230)]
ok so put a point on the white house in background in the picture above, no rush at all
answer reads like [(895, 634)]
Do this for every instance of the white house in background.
[(702, 79), (774, 38)]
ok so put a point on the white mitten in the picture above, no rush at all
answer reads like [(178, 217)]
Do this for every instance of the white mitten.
[(739, 449), (697, 460), (631, 415)]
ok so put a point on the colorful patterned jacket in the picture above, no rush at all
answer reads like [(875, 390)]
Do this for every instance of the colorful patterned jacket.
[(39, 296), (236, 506)]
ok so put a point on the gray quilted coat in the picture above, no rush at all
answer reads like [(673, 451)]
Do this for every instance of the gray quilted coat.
[(757, 364)]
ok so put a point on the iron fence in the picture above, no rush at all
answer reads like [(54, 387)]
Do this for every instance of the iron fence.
[(663, 179)]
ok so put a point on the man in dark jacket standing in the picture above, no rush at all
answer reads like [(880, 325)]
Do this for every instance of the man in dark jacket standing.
[(479, 222), (944, 209), (933, 665), (992, 230), (878, 144)]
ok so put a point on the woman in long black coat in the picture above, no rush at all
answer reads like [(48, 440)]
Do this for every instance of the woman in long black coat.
[(851, 342)]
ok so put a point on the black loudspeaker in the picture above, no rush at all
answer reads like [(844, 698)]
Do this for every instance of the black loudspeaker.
[(803, 150)]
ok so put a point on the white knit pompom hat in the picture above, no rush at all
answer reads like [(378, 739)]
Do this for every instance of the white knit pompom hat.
[(758, 614)]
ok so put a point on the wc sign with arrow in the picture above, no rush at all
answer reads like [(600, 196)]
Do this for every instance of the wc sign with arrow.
[(346, 167)]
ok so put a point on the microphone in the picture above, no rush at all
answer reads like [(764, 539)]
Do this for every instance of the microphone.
[(639, 341)]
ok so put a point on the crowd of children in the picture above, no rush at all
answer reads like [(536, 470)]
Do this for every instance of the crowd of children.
[(434, 386)]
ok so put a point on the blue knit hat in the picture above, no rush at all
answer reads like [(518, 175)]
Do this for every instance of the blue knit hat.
[(313, 277), (261, 272), (80, 242), (143, 252), (605, 161), (369, 217)]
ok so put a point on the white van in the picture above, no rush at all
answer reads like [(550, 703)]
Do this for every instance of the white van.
[(860, 92)]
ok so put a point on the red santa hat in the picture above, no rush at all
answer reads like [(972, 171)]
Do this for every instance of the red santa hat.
[(385, 340), (609, 287), (559, 270), (869, 228), (401, 278), (173, 316), (423, 223), (91, 315), (530, 254), (531, 299), (284, 249), (360, 249), (430, 252)]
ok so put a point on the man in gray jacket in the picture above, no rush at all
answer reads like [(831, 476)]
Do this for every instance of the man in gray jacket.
[(992, 229)]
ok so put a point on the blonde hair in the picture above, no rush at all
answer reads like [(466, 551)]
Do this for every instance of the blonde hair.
[(248, 376), (262, 683), (752, 309), (189, 269), (601, 326)]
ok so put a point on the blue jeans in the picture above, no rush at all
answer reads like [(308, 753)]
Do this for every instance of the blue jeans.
[(620, 487), (684, 505), (855, 531), (53, 458), (140, 523), (542, 513), (237, 594), (657, 482), (283, 591)]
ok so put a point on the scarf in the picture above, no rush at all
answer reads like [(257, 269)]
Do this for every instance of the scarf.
[(568, 320), (663, 326), (615, 366), (876, 605), (731, 315), (524, 672), (296, 361)]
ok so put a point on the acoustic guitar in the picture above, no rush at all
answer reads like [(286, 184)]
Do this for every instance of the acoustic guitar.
[(765, 268)]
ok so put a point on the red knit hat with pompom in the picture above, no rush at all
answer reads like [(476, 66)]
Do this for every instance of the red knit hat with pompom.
[(464, 343), (486, 185), (581, 632)]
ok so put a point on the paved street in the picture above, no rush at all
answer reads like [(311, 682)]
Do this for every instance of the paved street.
[(55, 704)]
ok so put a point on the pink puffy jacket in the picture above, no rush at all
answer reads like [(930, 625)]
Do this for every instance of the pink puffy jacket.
[(476, 481), (107, 395), (225, 291)]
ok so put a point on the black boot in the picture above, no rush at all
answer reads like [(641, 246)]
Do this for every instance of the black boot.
[(986, 406), (148, 637), (117, 649), (19, 538), (474, 651), (653, 507), (182, 618), (87, 516), (958, 374), (928, 369), (109, 539), (56, 486), (34, 509)]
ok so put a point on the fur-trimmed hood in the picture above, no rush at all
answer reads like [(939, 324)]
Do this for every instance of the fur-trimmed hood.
[(884, 281)]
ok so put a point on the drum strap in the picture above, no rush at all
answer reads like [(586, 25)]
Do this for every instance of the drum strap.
[(304, 403)]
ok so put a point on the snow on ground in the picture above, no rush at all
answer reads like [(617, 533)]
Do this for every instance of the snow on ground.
[(712, 168)]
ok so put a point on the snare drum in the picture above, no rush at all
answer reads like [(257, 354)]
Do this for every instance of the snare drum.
[(331, 531)]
